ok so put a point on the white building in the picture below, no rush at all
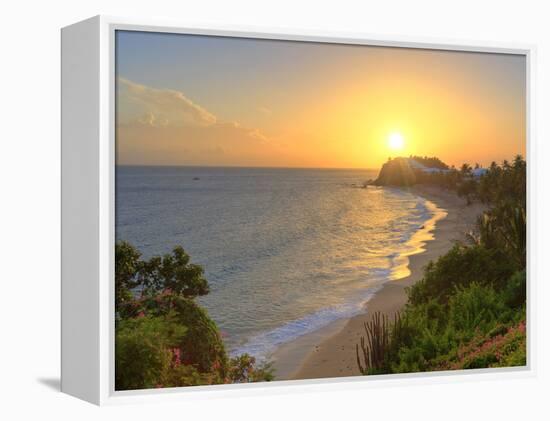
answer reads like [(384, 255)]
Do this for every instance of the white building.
[(478, 172)]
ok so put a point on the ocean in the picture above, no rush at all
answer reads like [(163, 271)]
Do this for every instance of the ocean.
[(285, 251)]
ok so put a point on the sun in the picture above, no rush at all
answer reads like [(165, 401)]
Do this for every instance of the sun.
[(396, 141)]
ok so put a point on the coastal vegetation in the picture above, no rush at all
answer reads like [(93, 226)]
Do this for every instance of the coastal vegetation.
[(469, 309), (430, 161), (163, 338)]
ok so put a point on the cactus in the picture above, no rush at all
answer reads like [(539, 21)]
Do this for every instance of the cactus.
[(376, 343)]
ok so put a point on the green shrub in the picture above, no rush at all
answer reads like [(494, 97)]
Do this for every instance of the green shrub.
[(459, 267), (515, 291), (142, 351), (201, 345), (243, 369), (431, 334), (475, 308), (504, 349), (423, 335)]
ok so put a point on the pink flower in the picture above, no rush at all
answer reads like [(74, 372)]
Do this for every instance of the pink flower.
[(176, 353)]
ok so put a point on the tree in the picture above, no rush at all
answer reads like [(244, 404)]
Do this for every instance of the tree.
[(127, 268), (465, 170), (467, 188), (168, 273), (163, 337)]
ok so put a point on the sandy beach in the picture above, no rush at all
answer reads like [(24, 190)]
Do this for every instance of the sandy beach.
[(330, 352)]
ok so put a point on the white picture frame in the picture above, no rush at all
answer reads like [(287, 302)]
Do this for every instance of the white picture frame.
[(88, 166)]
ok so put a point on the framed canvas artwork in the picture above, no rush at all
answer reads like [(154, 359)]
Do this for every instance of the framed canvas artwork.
[(249, 210)]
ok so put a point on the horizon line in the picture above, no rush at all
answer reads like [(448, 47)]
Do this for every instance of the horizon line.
[(246, 167)]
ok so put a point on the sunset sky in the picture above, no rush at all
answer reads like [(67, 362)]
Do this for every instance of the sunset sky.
[(197, 100)]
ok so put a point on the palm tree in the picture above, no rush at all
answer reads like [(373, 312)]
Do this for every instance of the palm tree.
[(465, 170)]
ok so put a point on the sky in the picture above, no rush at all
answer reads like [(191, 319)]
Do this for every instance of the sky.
[(221, 101)]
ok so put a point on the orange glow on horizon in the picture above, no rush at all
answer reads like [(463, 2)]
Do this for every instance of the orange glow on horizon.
[(353, 112)]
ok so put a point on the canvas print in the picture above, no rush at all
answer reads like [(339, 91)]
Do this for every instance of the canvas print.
[(302, 210)]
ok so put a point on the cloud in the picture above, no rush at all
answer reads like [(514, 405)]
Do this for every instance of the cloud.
[(162, 126), (266, 111), (159, 107)]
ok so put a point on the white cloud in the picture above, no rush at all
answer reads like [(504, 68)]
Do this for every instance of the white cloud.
[(266, 111), (161, 126), (159, 107)]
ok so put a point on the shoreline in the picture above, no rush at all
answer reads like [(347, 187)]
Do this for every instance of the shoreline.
[(330, 351)]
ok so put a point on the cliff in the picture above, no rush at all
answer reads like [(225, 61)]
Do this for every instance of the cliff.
[(409, 171), (396, 172)]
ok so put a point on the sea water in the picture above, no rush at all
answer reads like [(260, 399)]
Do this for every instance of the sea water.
[(285, 251)]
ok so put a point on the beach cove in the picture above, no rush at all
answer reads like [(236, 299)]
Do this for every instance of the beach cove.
[(331, 351)]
